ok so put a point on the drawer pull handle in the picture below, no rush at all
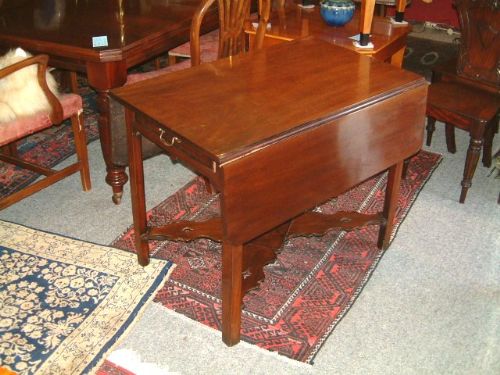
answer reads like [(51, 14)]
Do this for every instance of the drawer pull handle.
[(170, 143)]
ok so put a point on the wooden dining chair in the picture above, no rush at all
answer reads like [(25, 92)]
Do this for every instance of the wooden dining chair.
[(231, 42), (466, 94), (63, 107), (209, 42)]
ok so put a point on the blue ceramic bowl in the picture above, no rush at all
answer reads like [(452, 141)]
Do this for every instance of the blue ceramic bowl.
[(337, 12)]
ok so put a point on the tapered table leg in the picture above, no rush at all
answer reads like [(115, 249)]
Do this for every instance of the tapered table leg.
[(232, 277), (390, 204), (137, 189)]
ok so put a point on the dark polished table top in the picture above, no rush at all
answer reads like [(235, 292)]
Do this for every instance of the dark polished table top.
[(66, 28), (136, 31)]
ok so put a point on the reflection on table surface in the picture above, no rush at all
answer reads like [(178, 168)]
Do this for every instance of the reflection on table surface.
[(293, 22), (75, 22)]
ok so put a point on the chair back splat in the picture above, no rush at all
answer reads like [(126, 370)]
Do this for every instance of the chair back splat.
[(232, 16), (479, 52)]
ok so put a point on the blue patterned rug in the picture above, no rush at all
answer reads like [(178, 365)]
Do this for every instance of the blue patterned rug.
[(64, 303)]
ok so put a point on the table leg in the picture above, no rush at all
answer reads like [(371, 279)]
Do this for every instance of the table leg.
[(103, 77), (115, 175), (390, 204), (232, 275), (137, 189)]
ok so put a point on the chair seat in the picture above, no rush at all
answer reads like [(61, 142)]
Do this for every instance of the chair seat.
[(470, 104), (24, 126), (209, 46), (467, 108)]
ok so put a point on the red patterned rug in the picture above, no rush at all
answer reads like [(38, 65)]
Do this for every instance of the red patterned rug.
[(306, 291)]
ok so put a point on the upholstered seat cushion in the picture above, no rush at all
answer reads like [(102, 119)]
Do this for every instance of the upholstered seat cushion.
[(209, 47), (24, 126)]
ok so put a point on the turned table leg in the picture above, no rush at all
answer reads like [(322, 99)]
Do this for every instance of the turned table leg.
[(232, 277), (103, 76), (115, 175)]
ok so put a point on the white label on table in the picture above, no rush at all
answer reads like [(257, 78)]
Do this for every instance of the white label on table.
[(100, 41)]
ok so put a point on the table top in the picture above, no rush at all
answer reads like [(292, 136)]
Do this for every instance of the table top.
[(295, 22), (235, 106), (66, 27)]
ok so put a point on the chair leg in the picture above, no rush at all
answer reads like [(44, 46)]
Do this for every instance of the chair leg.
[(431, 126), (476, 142), (450, 138), (489, 133), (81, 149)]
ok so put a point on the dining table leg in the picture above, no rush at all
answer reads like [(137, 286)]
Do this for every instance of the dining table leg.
[(138, 195), (390, 204), (232, 295), (102, 77)]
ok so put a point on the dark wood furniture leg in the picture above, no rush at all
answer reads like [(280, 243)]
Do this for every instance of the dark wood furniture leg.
[(450, 138), (390, 204), (115, 175), (489, 133), (137, 190), (431, 126), (475, 144), (232, 275), (103, 77)]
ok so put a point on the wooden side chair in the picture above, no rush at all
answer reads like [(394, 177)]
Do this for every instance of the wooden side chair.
[(468, 98), (231, 41), (209, 43), (63, 107)]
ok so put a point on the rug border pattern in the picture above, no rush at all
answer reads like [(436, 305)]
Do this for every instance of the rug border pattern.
[(135, 288)]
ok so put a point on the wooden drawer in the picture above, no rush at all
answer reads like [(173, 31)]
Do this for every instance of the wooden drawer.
[(178, 147)]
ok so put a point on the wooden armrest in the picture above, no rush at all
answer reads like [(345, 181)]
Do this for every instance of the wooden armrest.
[(56, 113), (195, 31)]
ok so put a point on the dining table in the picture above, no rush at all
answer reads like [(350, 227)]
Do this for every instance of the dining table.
[(275, 133), (103, 39)]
